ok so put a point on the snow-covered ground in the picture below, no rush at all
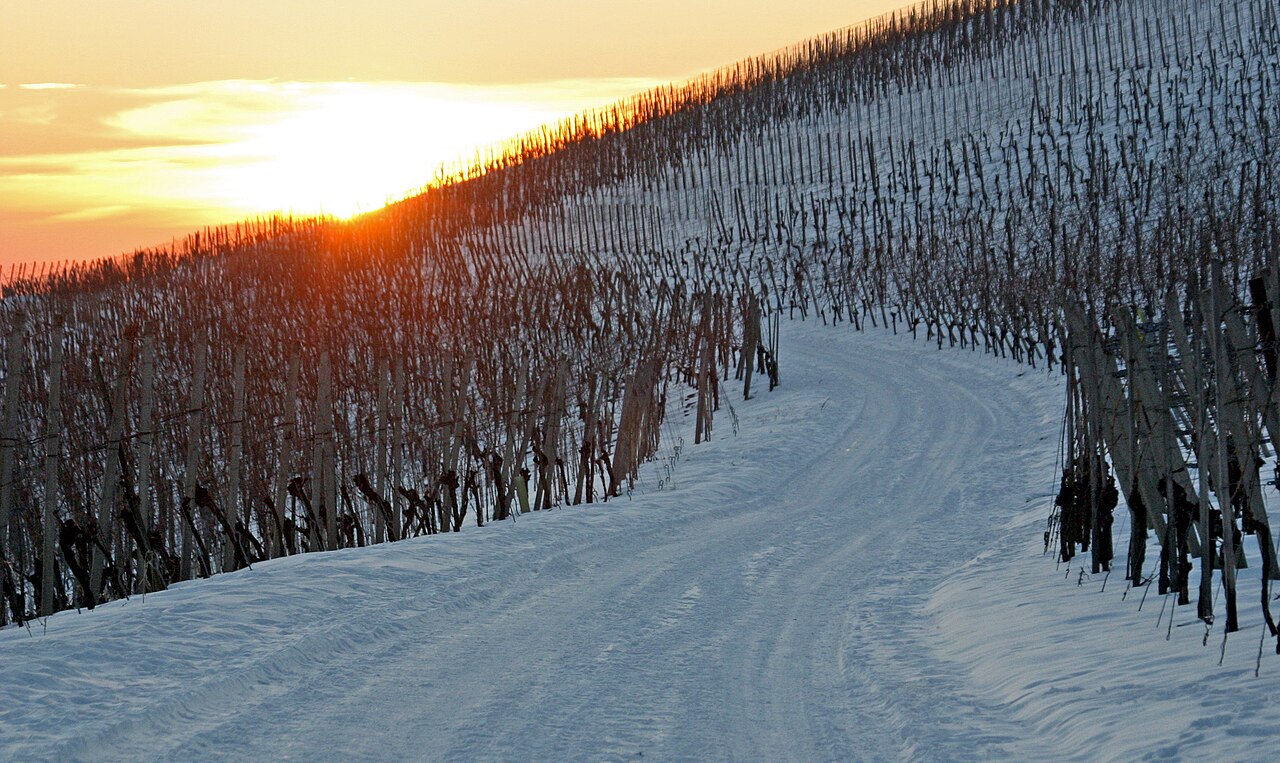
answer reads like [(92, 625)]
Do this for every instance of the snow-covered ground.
[(855, 575)]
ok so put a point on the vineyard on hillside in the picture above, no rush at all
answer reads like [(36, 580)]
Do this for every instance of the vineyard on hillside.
[(1087, 185)]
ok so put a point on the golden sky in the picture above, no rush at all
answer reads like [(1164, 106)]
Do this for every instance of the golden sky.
[(124, 123)]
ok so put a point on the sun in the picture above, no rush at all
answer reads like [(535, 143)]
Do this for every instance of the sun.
[(344, 149)]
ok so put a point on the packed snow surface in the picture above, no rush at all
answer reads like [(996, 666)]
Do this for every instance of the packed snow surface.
[(855, 574)]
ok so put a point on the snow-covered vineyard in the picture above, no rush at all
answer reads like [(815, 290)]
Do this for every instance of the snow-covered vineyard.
[(739, 317)]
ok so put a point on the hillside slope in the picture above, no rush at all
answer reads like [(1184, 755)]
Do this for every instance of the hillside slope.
[(793, 612), (852, 569), (966, 169)]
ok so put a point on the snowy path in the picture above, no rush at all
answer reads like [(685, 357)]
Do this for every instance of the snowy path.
[(773, 605)]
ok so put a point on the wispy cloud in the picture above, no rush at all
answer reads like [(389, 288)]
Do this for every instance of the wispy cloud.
[(92, 213), (49, 86)]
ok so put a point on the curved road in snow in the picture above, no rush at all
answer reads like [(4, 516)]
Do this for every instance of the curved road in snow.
[(768, 603)]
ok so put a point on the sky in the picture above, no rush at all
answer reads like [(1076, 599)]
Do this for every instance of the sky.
[(126, 123)]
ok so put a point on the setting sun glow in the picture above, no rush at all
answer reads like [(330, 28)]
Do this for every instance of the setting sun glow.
[(348, 148), (126, 124), (205, 153)]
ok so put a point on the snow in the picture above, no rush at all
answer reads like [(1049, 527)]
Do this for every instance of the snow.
[(856, 574), (1110, 673)]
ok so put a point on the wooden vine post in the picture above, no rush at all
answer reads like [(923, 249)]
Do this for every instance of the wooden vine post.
[(13, 368), (195, 429), (326, 536), (380, 444), (146, 448), (1222, 478), (236, 450), (111, 474), (52, 452), (750, 343), (705, 371), (396, 417), (285, 532)]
